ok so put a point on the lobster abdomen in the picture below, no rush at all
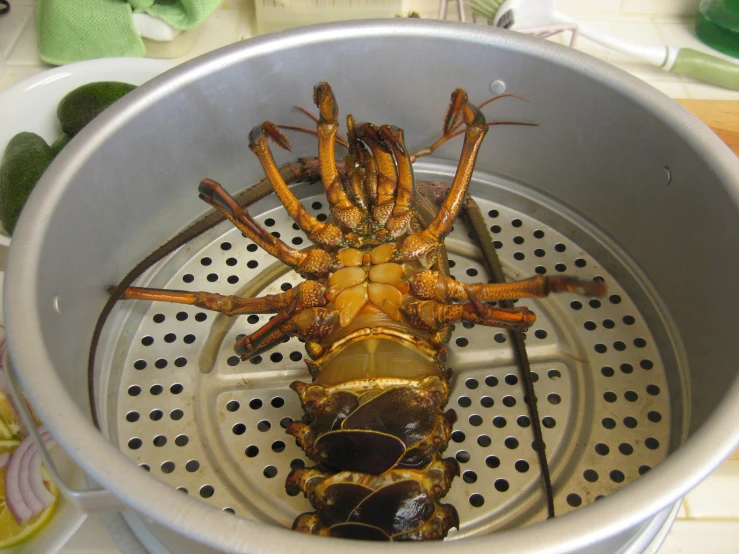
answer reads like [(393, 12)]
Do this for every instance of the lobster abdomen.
[(377, 444)]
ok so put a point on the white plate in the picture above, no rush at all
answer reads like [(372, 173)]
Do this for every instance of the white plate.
[(31, 104)]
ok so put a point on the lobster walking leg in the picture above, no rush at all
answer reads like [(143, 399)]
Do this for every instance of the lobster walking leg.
[(311, 324), (342, 208), (387, 176), (432, 315), (312, 262), (310, 293), (323, 234), (437, 286), (399, 221), (424, 246)]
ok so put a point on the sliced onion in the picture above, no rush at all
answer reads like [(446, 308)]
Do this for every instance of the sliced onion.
[(24, 480), (25, 493), (20, 509), (37, 481)]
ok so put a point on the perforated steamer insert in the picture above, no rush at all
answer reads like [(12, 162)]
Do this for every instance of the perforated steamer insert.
[(609, 411)]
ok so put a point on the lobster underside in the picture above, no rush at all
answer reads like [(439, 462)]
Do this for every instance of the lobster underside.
[(376, 311)]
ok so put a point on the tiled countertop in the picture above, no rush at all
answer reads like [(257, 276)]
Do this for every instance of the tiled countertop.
[(709, 519)]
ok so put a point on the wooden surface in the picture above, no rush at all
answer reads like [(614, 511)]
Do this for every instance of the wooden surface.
[(720, 115)]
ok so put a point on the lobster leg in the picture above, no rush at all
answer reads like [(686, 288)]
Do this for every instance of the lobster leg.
[(387, 175), (310, 293), (311, 324), (432, 315), (312, 262), (320, 233), (437, 286), (424, 246), (342, 208), (358, 168), (399, 221)]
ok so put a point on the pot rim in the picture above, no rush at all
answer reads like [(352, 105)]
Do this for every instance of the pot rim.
[(106, 464)]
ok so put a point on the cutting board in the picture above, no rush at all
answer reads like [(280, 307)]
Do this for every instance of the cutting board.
[(722, 116)]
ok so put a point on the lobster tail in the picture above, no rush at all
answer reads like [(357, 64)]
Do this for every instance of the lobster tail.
[(379, 474)]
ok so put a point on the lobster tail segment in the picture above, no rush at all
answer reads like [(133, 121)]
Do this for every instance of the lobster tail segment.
[(377, 446)]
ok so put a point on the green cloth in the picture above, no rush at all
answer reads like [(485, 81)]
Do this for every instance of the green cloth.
[(75, 30)]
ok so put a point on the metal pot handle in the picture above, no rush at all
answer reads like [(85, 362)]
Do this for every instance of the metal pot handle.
[(92, 500)]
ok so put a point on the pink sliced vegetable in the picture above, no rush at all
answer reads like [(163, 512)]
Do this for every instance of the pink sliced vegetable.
[(25, 492)]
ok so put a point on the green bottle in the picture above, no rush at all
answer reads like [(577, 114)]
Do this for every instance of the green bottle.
[(717, 25)]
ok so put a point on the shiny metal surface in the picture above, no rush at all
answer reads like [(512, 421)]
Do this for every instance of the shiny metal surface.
[(126, 186)]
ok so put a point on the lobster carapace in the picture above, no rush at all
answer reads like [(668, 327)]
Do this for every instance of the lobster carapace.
[(376, 311)]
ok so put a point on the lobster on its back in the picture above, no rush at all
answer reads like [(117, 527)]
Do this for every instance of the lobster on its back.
[(376, 311)]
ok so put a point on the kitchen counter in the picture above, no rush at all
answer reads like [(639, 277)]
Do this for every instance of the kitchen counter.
[(709, 518)]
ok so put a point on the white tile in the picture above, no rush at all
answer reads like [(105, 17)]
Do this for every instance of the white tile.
[(704, 91), (11, 27), (661, 7), (709, 537), (717, 497), (586, 45), (222, 28), (673, 89), (574, 8), (644, 32), (25, 50)]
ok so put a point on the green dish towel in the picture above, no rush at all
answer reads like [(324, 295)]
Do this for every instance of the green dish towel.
[(75, 30)]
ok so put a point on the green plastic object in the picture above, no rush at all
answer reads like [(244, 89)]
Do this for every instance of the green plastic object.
[(85, 103), (717, 25), (706, 68), (26, 158)]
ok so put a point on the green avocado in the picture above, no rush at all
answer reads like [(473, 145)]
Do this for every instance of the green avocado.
[(26, 158), (59, 143), (85, 103)]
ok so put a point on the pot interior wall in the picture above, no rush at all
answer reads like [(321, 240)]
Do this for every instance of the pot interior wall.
[(130, 183)]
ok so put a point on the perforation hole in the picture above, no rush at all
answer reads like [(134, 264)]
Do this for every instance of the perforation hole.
[(499, 422), (501, 485), (469, 477), (486, 402), (477, 500), (492, 462), (458, 436), (484, 441), (522, 466), (491, 381), (264, 426), (462, 456), (206, 491), (251, 451), (269, 472), (574, 500), (464, 401)]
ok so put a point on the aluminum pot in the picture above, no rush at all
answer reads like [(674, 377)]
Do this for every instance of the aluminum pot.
[(657, 190)]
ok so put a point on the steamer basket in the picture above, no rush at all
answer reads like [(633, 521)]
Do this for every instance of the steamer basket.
[(637, 390)]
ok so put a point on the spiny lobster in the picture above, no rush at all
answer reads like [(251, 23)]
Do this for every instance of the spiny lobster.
[(376, 311)]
